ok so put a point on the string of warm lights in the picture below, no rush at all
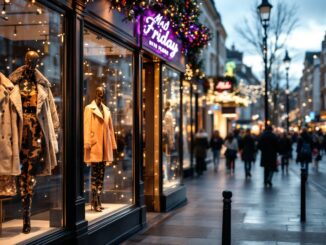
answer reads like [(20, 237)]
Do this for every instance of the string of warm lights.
[(184, 16)]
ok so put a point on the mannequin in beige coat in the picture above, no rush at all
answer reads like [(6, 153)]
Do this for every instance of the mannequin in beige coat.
[(99, 143)]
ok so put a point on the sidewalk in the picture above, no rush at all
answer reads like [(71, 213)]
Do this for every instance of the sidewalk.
[(260, 215)]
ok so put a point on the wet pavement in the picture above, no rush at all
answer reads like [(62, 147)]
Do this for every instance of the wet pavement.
[(260, 215)]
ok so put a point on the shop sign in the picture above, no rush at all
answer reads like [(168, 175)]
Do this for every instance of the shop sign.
[(159, 36), (221, 86)]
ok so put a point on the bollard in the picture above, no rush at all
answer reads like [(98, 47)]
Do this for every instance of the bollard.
[(226, 228), (303, 194)]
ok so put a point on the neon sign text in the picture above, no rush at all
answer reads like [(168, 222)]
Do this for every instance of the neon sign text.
[(160, 35)]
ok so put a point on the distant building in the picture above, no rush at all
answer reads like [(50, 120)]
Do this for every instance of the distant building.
[(213, 57), (309, 96), (323, 78), (244, 75)]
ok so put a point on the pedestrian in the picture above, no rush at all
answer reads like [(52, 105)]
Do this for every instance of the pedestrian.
[(285, 150), (216, 144), (231, 144), (268, 147), (304, 149), (248, 149), (200, 149), (317, 141)]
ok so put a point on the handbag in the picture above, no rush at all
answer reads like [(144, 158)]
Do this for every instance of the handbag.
[(229, 153)]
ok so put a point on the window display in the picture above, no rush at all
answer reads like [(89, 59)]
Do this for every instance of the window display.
[(108, 119), (170, 128), (187, 125), (31, 109)]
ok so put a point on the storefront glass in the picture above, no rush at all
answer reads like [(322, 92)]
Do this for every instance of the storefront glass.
[(170, 128), (186, 125), (108, 120), (31, 132)]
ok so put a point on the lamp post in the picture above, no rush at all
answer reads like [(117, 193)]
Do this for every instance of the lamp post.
[(287, 61), (265, 11)]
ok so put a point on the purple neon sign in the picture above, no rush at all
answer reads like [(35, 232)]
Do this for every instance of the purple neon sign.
[(159, 36)]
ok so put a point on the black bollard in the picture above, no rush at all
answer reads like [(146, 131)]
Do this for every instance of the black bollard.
[(226, 229), (303, 194)]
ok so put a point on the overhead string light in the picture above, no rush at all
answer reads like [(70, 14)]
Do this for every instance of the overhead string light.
[(15, 31), (3, 11)]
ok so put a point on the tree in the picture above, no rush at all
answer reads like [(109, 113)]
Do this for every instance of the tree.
[(284, 19)]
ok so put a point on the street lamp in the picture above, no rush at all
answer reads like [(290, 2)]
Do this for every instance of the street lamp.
[(265, 12), (287, 61)]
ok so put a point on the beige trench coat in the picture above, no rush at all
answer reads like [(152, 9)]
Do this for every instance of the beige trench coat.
[(46, 114), (10, 125), (99, 139)]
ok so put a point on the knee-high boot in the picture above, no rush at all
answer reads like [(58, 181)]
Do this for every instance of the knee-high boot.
[(27, 204), (94, 187), (100, 183)]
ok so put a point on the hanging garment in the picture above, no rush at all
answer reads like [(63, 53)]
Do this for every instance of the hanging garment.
[(99, 139), (46, 116), (10, 125)]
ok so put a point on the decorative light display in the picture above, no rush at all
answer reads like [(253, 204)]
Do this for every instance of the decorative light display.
[(183, 16)]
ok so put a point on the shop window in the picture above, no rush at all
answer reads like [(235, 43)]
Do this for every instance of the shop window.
[(170, 128), (31, 132), (187, 126), (108, 120)]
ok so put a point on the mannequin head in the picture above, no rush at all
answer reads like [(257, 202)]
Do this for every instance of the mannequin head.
[(167, 106), (100, 91), (31, 60)]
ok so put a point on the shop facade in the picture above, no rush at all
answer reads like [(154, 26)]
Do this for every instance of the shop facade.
[(110, 121)]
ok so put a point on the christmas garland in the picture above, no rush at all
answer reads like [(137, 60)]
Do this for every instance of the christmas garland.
[(184, 16)]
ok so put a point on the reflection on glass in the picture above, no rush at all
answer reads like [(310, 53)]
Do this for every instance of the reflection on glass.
[(186, 127), (108, 118), (31, 55), (170, 128)]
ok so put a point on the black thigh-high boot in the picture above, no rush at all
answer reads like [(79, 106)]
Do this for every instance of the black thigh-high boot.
[(27, 182), (100, 183), (27, 205)]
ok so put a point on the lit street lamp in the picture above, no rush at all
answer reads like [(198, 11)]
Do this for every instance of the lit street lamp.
[(287, 61), (265, 12)]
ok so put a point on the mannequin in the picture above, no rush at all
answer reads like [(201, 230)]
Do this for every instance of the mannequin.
[(168, 127), (38, 146), (168, 138), (99, 143)]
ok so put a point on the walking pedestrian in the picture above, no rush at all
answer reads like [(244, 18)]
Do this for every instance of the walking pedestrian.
[(285, 150), (247, 149), (304, 149), (200, 149), (216, 144), (268, 147), (231, 144)]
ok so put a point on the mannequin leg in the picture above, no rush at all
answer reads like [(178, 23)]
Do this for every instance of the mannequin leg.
[(94, 187), (27, 182), (101, 171)]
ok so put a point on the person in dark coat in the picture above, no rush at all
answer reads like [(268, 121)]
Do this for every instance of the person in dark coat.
[(285, 150), (216, 144), (304, 149), (200, 150), (268, 147), (247, 149)]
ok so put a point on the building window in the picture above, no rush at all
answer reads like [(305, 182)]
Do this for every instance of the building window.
[(31, 56), (108, 120)]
